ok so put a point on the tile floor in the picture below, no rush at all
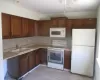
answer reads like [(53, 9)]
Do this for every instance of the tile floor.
[(44, 73)]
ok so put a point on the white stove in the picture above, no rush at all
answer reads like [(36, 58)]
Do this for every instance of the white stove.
[(56, 55)]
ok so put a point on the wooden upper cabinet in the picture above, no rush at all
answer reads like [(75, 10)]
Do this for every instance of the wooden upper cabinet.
[(6, 23), (77, 23), (62, 21), (69, 28), (16, 26), (44, 28), (84, 23), (58, 22), (31, 24), (54, 22), (25, 27), (90, 23)]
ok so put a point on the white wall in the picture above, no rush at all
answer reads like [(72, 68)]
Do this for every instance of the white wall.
[(9, 7), (1, 53), (97, 63)]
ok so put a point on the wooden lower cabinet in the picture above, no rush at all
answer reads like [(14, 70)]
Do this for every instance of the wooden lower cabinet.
[(26, 62), (18, 66), (67, 59), (31, 60), (37, 58), (23, 64), (43, 55)]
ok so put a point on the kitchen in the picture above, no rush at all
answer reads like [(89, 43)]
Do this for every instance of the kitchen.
[(22, 34)]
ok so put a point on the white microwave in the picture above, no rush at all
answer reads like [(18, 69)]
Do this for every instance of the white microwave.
[(57, 32)]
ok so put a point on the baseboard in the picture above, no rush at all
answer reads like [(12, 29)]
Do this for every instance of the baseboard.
[(42, 65), (66, 70)]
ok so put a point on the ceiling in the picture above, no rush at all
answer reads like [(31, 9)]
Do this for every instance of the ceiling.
[(59, 6)]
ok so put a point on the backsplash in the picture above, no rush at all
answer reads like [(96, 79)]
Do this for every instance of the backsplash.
[(9, 43)]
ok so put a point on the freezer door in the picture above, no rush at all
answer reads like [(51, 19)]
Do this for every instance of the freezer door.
[(84, 37), (82, 60)]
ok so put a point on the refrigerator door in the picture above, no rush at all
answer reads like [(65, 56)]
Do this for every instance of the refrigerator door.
[(82, 60), (85, 37)]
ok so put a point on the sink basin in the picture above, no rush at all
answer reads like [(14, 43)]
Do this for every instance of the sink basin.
[(15, 50), (19, 50), (22, 49)]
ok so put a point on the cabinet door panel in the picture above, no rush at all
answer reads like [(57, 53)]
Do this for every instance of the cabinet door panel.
[(43, 55), (23, 64), (62, 22), (69, 28), (37, 58), (25, 28), (84, 23), (31, 60), (67, 59), (16, 26), (31, 27), (6, 23), (43, 28), (54, 22), (90, 23), (77, 23)]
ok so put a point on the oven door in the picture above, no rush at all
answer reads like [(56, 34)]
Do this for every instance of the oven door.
[(55, 56)]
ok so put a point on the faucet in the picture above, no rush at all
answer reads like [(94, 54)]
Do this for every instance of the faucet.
[(17, 46)]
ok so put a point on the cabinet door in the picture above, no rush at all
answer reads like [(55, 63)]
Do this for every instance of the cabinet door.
[(54, 22), (43, 55), (23, 64), (31, 24), (31, 60), (25, 28), (67, 59), (69, 28), (6, 23), (62, 22), (90, 23), (77, 23), (16, 26), (37, 58), (44, 28)]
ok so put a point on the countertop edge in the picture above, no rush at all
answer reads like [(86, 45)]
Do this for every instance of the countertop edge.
[(32, 48)]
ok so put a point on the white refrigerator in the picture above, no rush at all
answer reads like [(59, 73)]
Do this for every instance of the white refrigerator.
[(82, 58)]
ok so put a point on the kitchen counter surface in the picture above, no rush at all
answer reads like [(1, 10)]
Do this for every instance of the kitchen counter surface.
[(9, 54)]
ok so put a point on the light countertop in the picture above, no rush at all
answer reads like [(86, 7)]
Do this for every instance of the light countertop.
[(9, 54)]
